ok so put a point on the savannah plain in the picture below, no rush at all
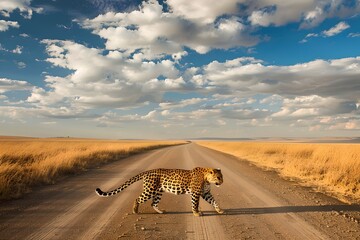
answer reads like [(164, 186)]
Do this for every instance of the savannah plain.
[(331, 168), (273, 190), (26, 162)]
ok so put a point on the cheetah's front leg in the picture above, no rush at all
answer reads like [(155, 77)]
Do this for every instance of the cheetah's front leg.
[(195, 199), (207, 196)]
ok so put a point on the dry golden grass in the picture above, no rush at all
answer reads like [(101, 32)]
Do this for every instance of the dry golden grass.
[(25, 162), (332, 168)]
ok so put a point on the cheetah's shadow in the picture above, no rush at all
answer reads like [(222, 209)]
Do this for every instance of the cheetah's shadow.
[(271, 210)]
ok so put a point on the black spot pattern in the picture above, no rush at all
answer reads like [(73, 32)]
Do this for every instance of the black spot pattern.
[(177, 181)]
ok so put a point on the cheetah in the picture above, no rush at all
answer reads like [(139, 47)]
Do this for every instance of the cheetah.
[(176, 181)]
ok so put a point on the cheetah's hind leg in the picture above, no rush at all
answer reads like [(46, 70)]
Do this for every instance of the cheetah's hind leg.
[(136, 207), (156, 200), (141, 199)]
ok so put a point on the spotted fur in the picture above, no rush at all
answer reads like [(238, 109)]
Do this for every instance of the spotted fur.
[(177, 181)]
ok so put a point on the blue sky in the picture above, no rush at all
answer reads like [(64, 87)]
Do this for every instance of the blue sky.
[(179, 69)]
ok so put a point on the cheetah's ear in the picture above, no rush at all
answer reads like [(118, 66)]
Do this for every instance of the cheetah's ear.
[(219, 169)]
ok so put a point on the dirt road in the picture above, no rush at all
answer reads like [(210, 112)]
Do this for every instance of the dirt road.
[(258, 204)]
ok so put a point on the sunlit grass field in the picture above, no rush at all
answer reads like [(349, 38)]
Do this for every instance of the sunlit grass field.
[(332, 168), (25, 162)]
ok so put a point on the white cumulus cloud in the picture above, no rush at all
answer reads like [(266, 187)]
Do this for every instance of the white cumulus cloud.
[(24, 6), (11, 85), (308, 13), (181, 104), (338, 28), (338, 77), (5, 25), (201, 11), (108, 80), (155, 33)]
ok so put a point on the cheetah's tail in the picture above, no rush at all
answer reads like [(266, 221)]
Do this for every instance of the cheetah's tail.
[(99, 192), (122, 187)]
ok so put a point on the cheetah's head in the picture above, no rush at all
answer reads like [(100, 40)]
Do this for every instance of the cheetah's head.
[(214, 176)]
